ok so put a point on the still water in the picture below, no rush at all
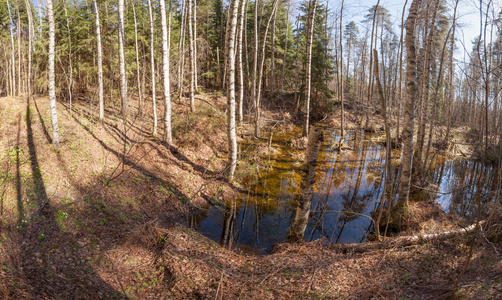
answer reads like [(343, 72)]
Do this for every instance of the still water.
[(348, 188)]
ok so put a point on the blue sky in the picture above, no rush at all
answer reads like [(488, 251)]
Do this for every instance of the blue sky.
[(467, 17)]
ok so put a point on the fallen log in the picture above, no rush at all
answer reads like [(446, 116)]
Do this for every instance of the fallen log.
[(403, 241)]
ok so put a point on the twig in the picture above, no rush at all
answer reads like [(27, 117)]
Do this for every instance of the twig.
[(442, 193), (117, 275), (272, 274), (311, 280)]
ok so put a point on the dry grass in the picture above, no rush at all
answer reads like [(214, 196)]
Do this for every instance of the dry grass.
[(104, 218)]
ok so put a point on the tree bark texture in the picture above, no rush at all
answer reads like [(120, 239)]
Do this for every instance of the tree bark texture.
[(402, 207), (123, 79), (52, 82), (308, 75), (232, 137), (165, 70), (100, 63)]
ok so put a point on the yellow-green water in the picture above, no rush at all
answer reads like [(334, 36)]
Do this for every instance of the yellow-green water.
[(349, 184)]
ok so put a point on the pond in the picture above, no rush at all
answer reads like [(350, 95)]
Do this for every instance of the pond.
[(349, 185)]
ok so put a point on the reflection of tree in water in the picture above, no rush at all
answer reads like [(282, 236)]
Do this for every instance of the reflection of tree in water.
[(330, 216), (227, 233), (460, 182), (349, 184)]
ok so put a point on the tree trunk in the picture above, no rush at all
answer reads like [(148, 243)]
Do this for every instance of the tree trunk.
[(18, 25), (308, 77), (297, 65), (436, 96), (285, 47), (424, 95), (30, 45), (401, 210), (191, 54), (70, 66), (140, 96), (196, 84), (262, 62), (387, 195), (52, 82), (450, 79), (399, 100), (255, 56), (232, 138), (272, 57), (181, 50), (152, 62), (370, 75), (165, 67), (340, 75), (100, 63), (13, 53), (123, 79), (240, 33)]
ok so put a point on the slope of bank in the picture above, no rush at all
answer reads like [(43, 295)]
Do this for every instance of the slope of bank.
[(105, 218)]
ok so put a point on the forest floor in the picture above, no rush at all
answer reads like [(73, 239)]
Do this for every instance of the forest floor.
[(105, 218)]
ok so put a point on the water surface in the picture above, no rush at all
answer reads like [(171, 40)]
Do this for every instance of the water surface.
[(348, 188)]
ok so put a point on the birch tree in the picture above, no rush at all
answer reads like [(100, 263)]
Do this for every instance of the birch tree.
[(401, 210), (192, 56), (100, 62), (30, 45), (232, 138), (168, 138), (52, 83), (308, 75), (13, 49), (240, 34), (122, 65), (340, 75)]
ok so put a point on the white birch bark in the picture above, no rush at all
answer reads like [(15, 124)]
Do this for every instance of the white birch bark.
[(196, 84), (52, 84), (123, 80), (240, 31), (255, 54), (192, 56), (100, 63), (340, 75), (30, 43), (232, 138), (13, 50), (165, 68), (308, 69), (181, 50)]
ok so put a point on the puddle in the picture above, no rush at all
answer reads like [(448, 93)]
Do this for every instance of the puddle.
[(348, 187)]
